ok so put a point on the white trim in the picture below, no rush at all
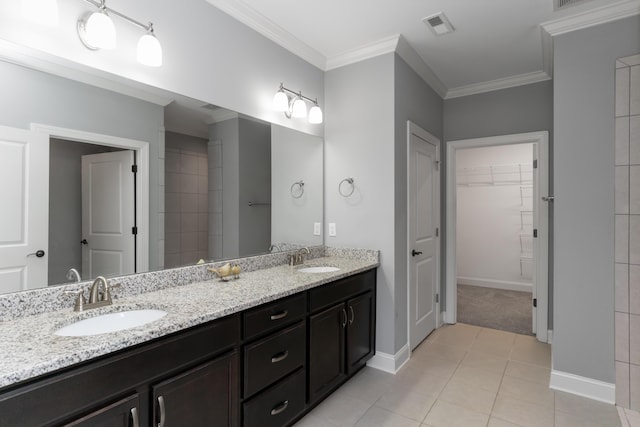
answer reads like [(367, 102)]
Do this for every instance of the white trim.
[(593, 17), (583, 386), (550, 336), (541, 245), (390, 363), (142, 183), (258, 22), (361, 53), (504, 83), (496, 284)]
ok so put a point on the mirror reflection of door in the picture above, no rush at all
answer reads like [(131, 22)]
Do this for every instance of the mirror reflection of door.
[(66, 212)]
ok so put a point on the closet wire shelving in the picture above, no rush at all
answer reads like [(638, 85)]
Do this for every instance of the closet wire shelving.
[(517, 174)]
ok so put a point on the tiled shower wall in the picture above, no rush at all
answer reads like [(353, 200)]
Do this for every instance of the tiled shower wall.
[(627, 246)]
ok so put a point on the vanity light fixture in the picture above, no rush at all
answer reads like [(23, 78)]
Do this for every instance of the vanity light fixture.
[(96, 30), (296, 106)]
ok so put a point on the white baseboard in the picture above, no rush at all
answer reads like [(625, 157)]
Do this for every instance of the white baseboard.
[(583, 386), (496, 284), (390, 363)]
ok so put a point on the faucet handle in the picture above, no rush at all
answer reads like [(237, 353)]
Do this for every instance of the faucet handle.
[(80, 301), (107, 291)]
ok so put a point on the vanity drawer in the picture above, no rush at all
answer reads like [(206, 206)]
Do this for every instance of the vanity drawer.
[(274, 315), (278, 405), (270, 359), (342, 289)]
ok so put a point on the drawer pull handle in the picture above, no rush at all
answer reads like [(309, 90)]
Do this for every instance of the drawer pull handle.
[(280, 315), (344, 317), (280, 408), (134, 417), (352, 315), (162, 411), (280, 357)]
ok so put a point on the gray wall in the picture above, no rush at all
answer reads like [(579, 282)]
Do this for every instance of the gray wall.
[(584, 82), (515, 110), (414, 100), (34, 97)]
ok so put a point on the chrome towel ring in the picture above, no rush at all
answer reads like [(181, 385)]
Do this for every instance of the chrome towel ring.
[(349, 190), (297, 189)]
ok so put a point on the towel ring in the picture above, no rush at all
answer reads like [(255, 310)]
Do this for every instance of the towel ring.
[(346, 193), (297, 189)]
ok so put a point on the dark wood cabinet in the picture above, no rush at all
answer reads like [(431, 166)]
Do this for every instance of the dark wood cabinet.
[(326, 350), (360, 331), (123, 413)]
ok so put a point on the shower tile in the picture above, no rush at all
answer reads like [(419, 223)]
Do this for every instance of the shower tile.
[(189, 222), (189, 242), (622, 384), (634, 339), (622, 92), (172, 202), (203, 223), (172, 243), (634, 239), (203, 184), (622, 239), (622, 190), (634, 93), (622, 141), (203, 164), (634, 289), (189, 164), (634, 189), (172, 161), (622, 337), (171, 260), (622, 288), (161, 172), (634, 140), (172, 222), (189, 183), (173, 182), (189, 203), (631, 60), (203, 244), (634, 387), (203, 203)]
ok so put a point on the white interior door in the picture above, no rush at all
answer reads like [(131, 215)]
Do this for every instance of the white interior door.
[(424, 207), (108, 218), (24, 223)]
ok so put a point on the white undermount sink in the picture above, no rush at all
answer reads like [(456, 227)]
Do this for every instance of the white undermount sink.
[(111, 322), (318, 269)]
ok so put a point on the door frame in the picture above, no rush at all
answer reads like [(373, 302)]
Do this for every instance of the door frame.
[(541, 244), (45, 133), (413, 128)]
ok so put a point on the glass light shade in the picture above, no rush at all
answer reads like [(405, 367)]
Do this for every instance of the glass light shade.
[(299, 108), (315, 115), (149, 51), (41, 11), (280, 101), (100, 31)]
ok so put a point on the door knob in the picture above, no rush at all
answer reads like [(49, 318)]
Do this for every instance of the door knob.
[(84, 242), (415, 253), (39, 253)]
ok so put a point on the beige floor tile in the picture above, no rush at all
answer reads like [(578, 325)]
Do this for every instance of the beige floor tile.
[(523, 413), (341, 410), (460, 335), (580, 408), (528, 372), (443, 351), (528, 350), (406, 402), (633, 417), (367, 386), (378, 417), (497, 422), (527, 391), (420, 383), (429, 364), (623, 417), (481, 378), (495, 343), (311, 420), (468, 397), (444, 414), (485, 361), (564, 419)]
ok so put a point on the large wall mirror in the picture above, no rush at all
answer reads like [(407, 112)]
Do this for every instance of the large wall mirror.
[(209, 183)]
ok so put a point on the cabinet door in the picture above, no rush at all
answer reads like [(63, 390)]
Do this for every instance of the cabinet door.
[(326, 350), (360, 331), (204, 396), (123, 413)]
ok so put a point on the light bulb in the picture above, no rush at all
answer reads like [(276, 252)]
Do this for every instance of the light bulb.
[(149, 50), (99, 31), (315, 115), (280, 101), (41, 11), (299, 108)]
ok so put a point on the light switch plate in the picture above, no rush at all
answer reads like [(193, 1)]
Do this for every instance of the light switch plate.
[(316, 228), (332, 229)]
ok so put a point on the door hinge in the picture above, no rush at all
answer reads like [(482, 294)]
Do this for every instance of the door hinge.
[(535, 302), (535, 232), (437, 231), (437, 297), (134, 168), (535, 164), (437, 163), (134, 230)]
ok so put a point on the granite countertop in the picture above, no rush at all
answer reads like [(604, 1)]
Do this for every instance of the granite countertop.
[(29, 347)]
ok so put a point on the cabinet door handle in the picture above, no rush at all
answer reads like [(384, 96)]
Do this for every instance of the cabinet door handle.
[(344, 317), (135, 422), (280, 408), (162, 414), (352, 315), (280, 315), (280, 357)]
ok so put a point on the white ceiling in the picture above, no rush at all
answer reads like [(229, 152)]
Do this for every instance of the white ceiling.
[(497, 43)]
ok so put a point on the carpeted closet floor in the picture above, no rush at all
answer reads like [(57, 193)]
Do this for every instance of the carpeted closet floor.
[(495, 308)]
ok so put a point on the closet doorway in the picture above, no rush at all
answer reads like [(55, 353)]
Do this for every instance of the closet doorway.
[(497, 233)]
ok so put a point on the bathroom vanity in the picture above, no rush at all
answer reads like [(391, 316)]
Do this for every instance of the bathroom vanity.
[(273, 345)]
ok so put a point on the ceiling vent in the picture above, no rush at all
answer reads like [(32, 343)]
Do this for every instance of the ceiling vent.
[(561, 4), (440, 25)]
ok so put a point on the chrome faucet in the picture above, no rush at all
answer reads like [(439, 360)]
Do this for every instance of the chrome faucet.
[(298, 257), (96, 297), (73, 275)]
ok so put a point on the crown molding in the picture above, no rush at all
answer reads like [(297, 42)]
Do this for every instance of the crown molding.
[(411, 57), (504, 83), (590, 18), (370, 50), (258, 22)]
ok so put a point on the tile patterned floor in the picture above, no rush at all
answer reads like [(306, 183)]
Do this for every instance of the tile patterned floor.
[(463, 376)]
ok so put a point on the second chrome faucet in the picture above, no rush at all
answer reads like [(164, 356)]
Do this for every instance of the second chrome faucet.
[(97, 297)]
